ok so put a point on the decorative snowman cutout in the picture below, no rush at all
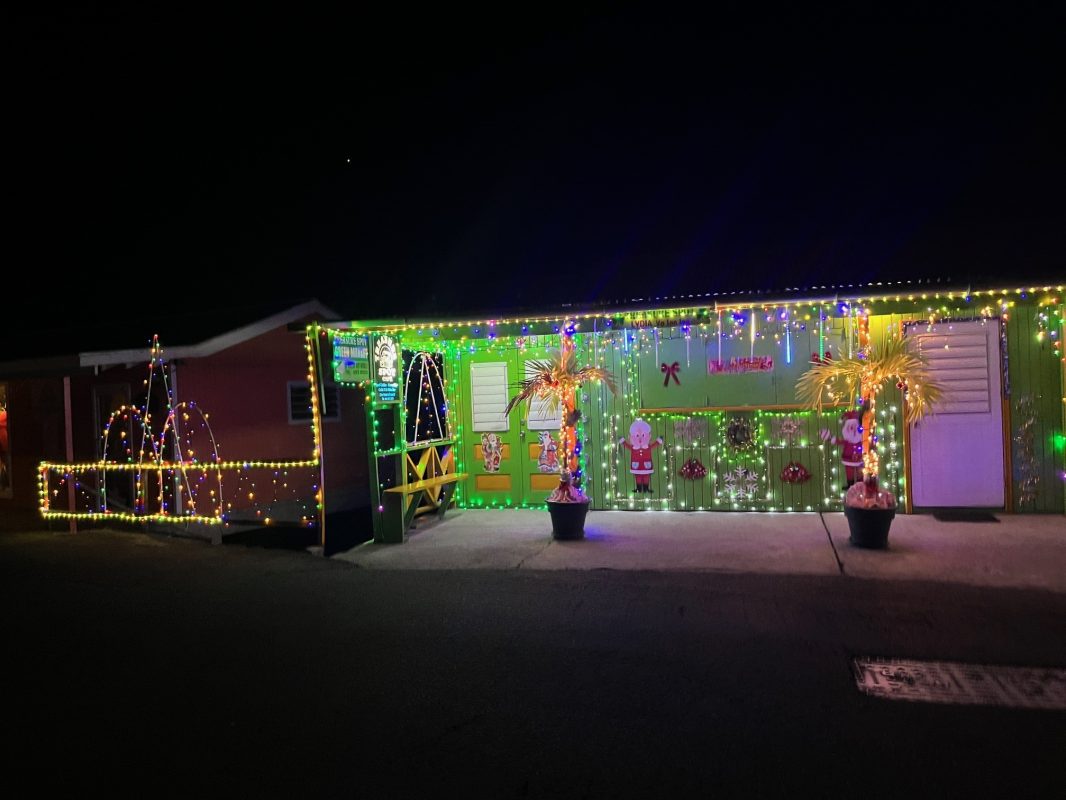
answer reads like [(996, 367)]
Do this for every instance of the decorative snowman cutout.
[(548, 460), (491, 451), (640, 447), (851, 441)]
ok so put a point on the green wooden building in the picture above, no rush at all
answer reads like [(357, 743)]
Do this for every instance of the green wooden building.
[(714, 377)]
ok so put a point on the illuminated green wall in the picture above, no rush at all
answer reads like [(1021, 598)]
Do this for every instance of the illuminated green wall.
[(635, 347), (738, 478), (1035, 371)]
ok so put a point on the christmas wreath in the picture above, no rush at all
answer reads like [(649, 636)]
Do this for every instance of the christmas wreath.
[(740, 434)]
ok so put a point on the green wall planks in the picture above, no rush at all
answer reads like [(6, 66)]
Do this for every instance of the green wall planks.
[(692, 386), (1035, 377), (635, 352)]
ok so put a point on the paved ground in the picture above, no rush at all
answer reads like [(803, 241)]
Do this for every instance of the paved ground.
[(149, 666), (1023, 551)]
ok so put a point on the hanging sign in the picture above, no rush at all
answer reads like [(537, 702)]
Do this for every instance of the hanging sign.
[(386, 385), (652, 322), (735, 365), (351, 358)]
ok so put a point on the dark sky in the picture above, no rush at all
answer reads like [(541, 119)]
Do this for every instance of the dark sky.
[(395, 161)]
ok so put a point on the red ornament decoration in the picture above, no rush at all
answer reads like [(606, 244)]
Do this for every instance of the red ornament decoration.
[(693, 470), (795, 472)]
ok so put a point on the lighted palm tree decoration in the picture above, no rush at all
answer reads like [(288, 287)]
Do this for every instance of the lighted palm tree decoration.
[(556, 381), (864, 376)]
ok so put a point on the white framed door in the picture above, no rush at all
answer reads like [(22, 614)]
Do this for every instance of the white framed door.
[(957, 452)]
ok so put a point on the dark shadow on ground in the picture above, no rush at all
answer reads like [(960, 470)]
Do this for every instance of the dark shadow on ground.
[(344, 530), (964, 515), (21, 520)]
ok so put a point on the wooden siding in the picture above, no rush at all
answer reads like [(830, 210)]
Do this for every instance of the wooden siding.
[(1036, 372)]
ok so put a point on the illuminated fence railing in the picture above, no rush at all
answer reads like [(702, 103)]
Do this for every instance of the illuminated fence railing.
[(176, 492), (174, 473)]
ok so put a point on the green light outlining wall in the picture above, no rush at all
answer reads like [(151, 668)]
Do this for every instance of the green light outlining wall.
[(682, 368)]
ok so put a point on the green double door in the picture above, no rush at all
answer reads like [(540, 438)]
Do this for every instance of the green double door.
[(512, 459)]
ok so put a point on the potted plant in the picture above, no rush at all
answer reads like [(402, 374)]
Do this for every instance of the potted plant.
[(556, 381), (859, 379)]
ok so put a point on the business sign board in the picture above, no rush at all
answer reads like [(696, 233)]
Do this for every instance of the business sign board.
[(386, 369), (351, 357)]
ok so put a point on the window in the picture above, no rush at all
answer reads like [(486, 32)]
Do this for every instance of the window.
[(300, 402)]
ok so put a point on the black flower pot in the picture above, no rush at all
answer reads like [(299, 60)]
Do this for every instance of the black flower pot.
[(869, 526), (568, 520)]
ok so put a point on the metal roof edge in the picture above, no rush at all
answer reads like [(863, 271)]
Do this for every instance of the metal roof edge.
[(213, 345), (874, 290)]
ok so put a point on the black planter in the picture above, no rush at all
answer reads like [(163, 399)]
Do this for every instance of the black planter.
[(568, 520), (869, 526)]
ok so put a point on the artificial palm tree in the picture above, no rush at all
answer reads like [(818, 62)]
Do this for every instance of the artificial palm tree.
[(863, 376), (556, 381)]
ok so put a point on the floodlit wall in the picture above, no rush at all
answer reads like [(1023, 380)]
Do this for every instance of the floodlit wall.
[(718, 386)]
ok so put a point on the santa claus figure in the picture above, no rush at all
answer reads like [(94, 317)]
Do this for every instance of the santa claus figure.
[(850, 440), (640, 447)]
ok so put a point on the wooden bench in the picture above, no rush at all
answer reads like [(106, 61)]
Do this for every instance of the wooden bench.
[(413, 492)]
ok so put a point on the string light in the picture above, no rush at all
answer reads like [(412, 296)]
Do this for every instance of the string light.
[(172, 461), (622, 340)]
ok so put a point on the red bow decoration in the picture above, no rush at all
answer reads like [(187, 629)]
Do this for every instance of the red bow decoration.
[(817, 359), (670, 371)]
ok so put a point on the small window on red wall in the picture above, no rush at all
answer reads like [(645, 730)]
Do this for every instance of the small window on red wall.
[(300, 402)]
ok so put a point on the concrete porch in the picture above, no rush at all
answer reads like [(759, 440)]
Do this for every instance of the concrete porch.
[(1018, 551)]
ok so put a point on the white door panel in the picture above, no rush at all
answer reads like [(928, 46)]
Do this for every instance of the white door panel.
[(957, 452)]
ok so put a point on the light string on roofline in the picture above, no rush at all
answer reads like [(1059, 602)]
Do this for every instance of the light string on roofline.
[(490, 328)]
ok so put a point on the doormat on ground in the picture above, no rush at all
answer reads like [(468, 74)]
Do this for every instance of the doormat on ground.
[(965, 515), (961, 684)]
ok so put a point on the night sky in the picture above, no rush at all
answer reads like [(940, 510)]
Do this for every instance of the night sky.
[(398, 162)]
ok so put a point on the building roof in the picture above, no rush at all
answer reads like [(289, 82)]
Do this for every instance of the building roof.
[(192, 333), (732, 299)]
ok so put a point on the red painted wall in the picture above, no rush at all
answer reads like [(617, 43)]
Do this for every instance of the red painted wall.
[(35, 433), (244, 391)]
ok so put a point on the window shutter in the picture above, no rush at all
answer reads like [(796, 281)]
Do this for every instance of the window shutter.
[(959, 362), (300, 402)]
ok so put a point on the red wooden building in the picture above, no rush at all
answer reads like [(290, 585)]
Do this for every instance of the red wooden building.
[(247, 370)]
